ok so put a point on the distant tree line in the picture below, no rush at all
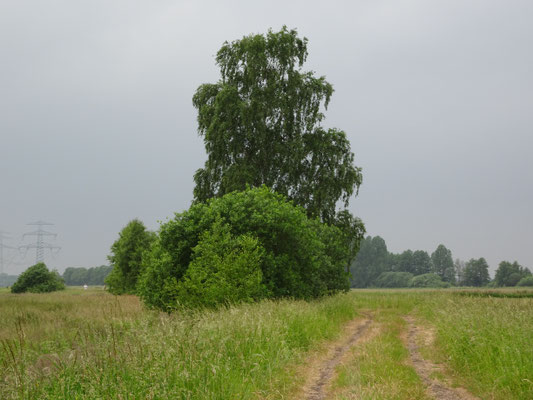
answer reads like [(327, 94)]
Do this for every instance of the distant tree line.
[(375, 266), (77, 276), (73, 276), (7, 280), (512, 275)]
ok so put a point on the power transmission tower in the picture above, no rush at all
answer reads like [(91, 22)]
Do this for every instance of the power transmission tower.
[(39, 245), (2, 247)]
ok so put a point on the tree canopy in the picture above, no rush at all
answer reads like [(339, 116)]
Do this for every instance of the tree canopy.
[(421, 263), (442, 263), (509, 274), (261, 124), (476, 273), (373, 259), (126, 257)]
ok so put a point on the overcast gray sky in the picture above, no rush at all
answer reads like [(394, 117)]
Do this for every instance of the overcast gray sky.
[(436, 96)]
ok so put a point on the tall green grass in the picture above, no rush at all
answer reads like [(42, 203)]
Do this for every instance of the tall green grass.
[(487, 341), (88, 344), (92, 345)]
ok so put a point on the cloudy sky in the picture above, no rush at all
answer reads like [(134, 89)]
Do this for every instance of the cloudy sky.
[(436, 96)]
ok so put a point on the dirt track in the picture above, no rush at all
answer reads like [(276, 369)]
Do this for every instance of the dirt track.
[(437, 389), (321, 369), (316, 387)]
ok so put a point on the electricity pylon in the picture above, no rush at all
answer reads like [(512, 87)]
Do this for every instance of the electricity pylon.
[(2, 247), (39, 245)]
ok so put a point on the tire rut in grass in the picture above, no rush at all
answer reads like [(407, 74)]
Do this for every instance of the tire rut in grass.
[(424, 368), (317, 388)]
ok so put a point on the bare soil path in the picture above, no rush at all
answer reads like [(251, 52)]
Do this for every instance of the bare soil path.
[(426, 369), (321, 370)]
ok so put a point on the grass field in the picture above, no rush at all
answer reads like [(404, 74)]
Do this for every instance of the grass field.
[(89, 344)]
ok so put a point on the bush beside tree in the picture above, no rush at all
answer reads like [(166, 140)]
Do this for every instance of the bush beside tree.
[(38, 279), (394, 279), (526, 281), (428, 281), (257, 225)]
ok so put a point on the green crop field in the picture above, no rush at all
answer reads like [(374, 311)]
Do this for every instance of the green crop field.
[(90, 344)]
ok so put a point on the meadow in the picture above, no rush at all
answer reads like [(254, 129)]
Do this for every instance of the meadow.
[(89, 344)]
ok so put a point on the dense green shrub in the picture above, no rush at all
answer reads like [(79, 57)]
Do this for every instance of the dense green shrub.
[(428, 281), (298, 257), (394, 279), (526, 281), (38, 279), (224, 269)]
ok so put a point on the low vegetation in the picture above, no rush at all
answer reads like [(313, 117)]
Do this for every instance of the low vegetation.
[(486, 341), (525, 281), (90, 344), (378, 368), (428, 281), (393, 279)]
